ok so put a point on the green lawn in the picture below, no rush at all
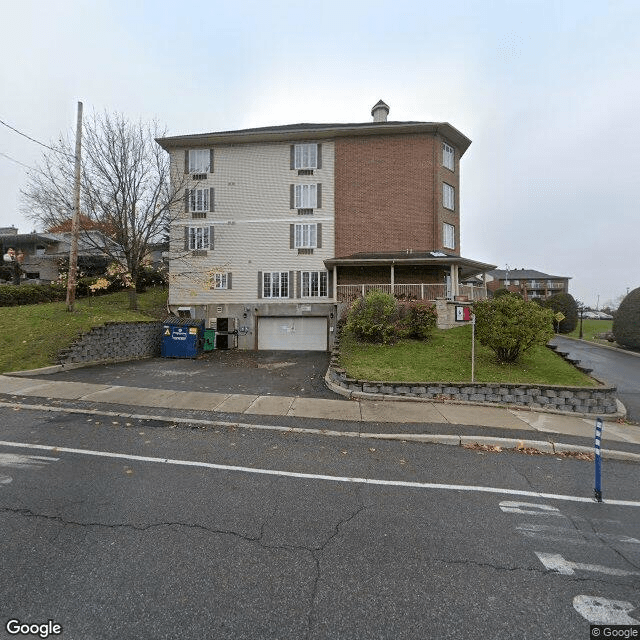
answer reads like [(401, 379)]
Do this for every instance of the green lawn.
[(447, 358), (31, 336), (591, 327)]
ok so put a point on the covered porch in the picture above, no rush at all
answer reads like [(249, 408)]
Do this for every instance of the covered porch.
[(409, 275)]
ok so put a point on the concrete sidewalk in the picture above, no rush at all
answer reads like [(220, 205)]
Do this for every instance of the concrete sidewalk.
[(371, 411)]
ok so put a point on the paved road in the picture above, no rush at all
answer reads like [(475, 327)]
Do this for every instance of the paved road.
[(613, 366), (124, 547)]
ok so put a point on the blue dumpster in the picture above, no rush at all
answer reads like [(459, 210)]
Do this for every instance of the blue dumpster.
[(182, 338)]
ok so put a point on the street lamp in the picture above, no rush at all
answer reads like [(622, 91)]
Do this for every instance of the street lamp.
[(581, 314)]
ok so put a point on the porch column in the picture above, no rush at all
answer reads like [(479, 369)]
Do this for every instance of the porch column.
[(454, 281), (335, 283), (393, 275)]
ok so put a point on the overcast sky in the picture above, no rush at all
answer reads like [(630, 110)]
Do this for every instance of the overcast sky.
[(548, 92)]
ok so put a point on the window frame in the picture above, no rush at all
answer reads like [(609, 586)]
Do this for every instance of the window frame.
[(305, 196), (322, 282), (448, 196), (268, 284), (221, 277), (448, 156), (448, 233), (199, 241), (302, 150), (205, 205), (198, 155), (311, 241)]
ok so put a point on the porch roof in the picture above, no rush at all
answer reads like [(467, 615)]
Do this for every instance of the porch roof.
[(467, 267)]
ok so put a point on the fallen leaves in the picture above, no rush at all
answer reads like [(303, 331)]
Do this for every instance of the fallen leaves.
[(529, 451)]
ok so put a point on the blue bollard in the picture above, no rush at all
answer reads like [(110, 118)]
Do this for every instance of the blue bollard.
[(598, 461)]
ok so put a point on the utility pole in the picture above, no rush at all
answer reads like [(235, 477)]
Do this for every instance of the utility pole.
[(75, 222)]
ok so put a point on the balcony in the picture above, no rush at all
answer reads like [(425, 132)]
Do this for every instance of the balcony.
[(425, 291)]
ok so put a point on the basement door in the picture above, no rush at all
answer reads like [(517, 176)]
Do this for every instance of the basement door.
[(293, 333)]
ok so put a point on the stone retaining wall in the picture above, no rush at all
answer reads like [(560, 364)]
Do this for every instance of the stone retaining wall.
[(115, 341), (592, 400)]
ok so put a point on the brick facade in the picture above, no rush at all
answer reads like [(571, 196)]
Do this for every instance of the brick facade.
[(388, 193)]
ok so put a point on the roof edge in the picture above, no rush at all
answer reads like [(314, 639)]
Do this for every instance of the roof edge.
[(316, 131)]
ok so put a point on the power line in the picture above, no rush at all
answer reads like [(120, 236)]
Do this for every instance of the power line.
[(42, 144), (26, 166)]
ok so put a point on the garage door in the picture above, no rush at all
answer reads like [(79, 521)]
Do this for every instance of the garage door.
[(292, 333)]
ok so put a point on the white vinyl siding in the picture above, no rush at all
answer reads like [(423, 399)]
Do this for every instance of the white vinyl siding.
[(275, 284), (448, 236), (199, 160), (306, 156), (306, 236), (306, 196), (448, 156), (198, 238), (199, 200), (314, 284), (448, 196)]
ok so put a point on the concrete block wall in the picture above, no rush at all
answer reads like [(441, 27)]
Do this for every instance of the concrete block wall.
[(589, 400), (115, 341)]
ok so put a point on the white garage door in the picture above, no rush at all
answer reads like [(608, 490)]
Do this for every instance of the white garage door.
[(292, 333)]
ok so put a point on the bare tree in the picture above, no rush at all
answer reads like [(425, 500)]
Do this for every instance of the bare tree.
[(126, 190)]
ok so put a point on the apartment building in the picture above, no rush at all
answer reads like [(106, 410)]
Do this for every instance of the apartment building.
[(282, 226), (529, 283)]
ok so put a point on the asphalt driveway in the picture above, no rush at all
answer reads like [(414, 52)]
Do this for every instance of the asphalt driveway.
[(278, 373)]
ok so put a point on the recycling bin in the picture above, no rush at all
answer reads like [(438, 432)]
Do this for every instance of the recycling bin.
[(182, 338), (209, 339)]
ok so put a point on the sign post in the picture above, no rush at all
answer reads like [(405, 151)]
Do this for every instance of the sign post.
[(473, 346), (598, 461)]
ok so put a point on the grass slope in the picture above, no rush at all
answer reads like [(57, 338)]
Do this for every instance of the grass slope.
[(446, 357), (31, 336)]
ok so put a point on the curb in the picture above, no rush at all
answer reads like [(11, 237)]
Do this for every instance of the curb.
[(361, 395), (543, 446)]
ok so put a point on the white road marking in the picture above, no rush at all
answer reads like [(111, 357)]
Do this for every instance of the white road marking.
[(19, 461), (598, 610), (555, 562), (530, 509), (313, 476), (572, 536), (5, 479)]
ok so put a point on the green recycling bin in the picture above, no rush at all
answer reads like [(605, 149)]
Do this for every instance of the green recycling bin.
[(209, 339)]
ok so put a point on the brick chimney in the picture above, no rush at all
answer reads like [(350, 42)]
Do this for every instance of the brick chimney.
[(380, 112)]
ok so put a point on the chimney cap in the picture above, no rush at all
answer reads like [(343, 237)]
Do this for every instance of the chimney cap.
[(380, 111)]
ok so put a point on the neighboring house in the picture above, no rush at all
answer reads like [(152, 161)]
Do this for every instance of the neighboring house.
[(44, 251), (282, 226), (527, 282)]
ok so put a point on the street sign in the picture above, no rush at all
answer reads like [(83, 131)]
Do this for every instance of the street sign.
[(559, 316)]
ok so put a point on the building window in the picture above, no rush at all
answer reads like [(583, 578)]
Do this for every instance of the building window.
[(448, 196), (448, 236), (199, 200), (199, 160), (306, 196), (198, 238), (275, 284), (219, 281), (305, 156), (447, 156), (40, 250), (314, 284), (306, 236)]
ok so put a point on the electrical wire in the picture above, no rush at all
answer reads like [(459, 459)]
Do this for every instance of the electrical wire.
[(42, 144), (26, 166)]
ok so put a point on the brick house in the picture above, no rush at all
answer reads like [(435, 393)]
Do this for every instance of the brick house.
[(282, 226), (529, 283)]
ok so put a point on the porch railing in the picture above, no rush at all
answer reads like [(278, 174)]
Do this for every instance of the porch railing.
[(424, 291)]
